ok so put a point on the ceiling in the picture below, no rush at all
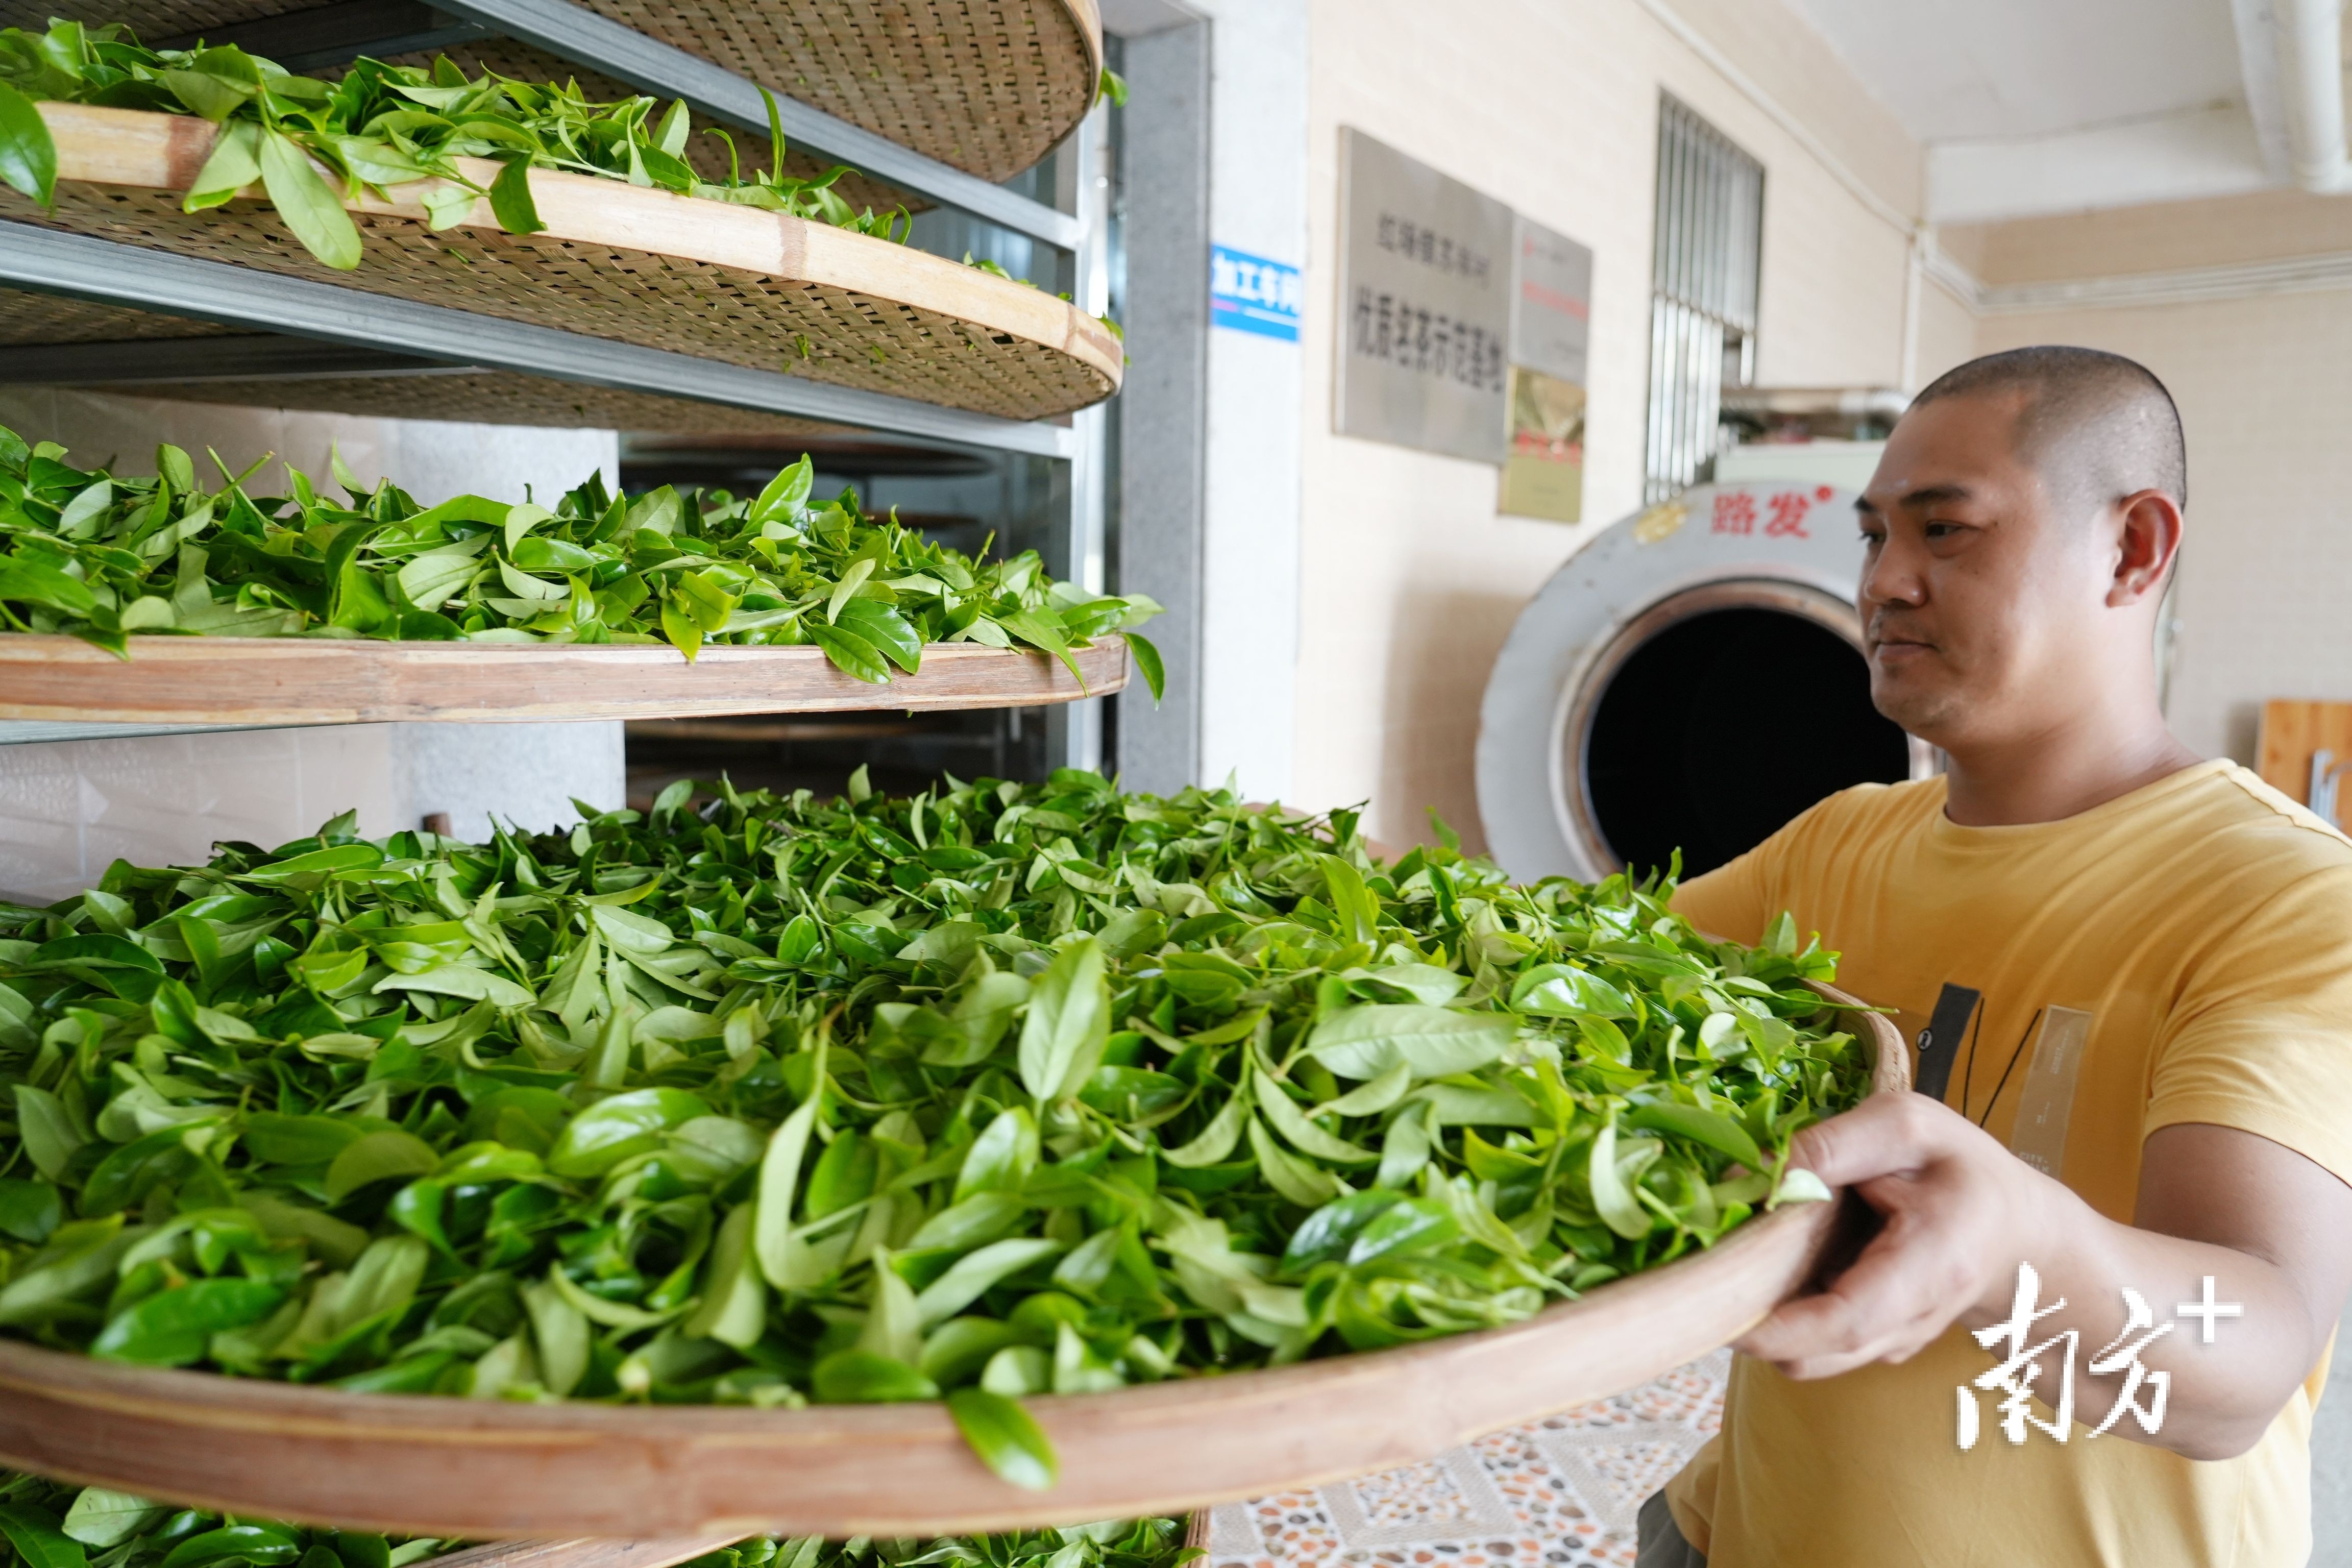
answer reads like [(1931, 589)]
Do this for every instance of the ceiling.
[(2037, 106)]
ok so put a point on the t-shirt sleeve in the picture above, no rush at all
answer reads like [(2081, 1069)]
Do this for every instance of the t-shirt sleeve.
[(2261, 1039), (1738, 899), (1728, 901)]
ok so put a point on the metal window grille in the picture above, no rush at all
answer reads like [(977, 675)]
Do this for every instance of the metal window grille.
[(1703, 292)]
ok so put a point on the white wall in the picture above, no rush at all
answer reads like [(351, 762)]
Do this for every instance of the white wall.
[(70, 808), (430, 459), (1259, 67), (1409, 580)]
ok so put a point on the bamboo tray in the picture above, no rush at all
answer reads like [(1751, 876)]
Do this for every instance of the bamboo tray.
[(468, 1469), (621, 262), (986, 86), (316, 680)]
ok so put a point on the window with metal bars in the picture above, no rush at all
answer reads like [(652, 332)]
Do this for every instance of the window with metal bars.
[(1704, 269)]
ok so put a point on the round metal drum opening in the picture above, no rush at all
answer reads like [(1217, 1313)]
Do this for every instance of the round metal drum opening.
[(1716, 716)]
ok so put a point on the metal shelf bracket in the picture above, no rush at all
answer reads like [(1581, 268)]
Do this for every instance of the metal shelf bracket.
[(80, 267)]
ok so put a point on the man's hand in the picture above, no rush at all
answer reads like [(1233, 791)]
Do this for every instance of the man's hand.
[(1959, 1211), (1962, 1213)]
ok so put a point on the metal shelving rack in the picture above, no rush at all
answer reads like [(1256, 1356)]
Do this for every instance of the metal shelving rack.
[(264, 328)]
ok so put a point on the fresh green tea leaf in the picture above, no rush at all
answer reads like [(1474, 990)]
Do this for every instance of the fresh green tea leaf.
[(310, 207), (1005, 1437), (28, 155)]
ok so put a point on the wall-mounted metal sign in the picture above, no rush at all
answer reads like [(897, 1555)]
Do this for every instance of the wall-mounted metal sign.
[(1425, 283)]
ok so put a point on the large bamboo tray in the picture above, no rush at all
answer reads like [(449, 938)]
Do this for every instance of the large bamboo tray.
[(469, 1469), (315, 680), (621, 262), (986, 86)]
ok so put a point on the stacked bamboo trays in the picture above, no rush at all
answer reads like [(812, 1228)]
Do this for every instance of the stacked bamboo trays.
[(984, 86), (649, 267), (484, 1469)]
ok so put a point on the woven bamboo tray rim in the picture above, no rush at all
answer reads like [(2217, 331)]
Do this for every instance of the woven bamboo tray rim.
[(483, 1469), (322, 681), (624, 262), (985, 86)]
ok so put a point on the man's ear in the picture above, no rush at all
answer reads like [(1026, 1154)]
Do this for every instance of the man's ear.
[(2145, 548)]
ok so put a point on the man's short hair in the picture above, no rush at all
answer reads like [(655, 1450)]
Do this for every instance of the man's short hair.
[(2094, 423)]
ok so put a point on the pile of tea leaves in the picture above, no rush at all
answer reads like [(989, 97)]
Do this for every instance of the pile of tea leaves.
[(310, 144), (55, 1524), (103, 556), (990, 1092)]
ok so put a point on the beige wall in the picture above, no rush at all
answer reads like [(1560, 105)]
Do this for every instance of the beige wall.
[(2159, 237), (2262, 380), (2263, 385), (1409, 578), (1947, 334)]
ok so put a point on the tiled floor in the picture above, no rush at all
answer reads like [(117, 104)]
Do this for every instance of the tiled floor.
[(1556, 1493)]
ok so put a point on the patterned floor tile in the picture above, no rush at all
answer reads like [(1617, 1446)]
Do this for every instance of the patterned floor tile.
[(1562, 1492)]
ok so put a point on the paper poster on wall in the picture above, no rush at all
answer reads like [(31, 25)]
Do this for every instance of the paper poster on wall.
[(1425, 276), (1551, 301)]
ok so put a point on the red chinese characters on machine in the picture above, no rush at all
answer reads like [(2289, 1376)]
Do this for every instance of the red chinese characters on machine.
[(1784, 512)]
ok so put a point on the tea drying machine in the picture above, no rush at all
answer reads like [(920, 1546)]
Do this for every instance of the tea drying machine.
[(1690, 680)]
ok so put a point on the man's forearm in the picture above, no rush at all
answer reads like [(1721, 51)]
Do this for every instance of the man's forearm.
[(2224, 1393), (1962, 1213)]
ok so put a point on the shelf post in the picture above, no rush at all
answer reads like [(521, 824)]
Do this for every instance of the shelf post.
[(1074, 732)]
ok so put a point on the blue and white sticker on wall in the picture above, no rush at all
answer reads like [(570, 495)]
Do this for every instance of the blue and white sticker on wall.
[(1252, 294)]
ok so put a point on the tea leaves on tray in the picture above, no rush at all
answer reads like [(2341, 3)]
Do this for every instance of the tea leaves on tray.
[(55, 1524), (103, 556), (378, 128), (996, 1090)]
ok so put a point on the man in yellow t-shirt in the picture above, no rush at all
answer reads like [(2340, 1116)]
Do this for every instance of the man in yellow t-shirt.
[(2129, 973)]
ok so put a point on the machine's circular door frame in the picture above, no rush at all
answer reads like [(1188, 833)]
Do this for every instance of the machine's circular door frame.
[(1580, 696)]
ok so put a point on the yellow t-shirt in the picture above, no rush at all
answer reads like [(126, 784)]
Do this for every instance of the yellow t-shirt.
[(2183, 954)]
